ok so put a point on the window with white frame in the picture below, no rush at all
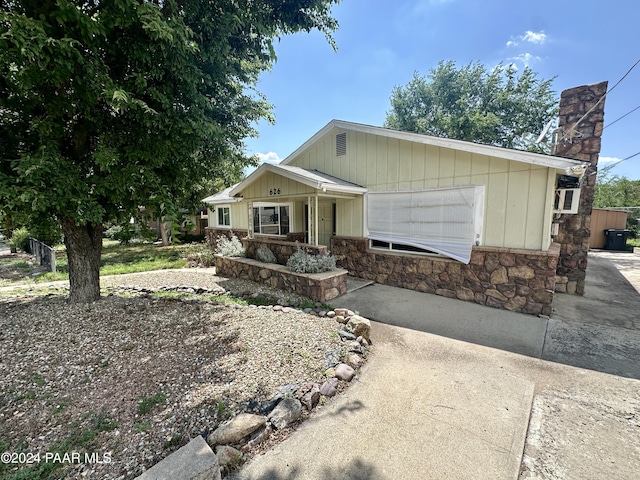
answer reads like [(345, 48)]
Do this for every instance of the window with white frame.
[(223, 216), (442, 220), (271, 218)]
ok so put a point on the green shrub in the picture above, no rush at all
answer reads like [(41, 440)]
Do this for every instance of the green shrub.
[(229, 247), (199, 254), (265, 255), (302, 262), (127, 232), (20, 239)]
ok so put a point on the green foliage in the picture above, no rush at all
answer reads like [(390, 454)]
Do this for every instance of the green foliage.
[(229, 247), (128, 232), (20, 239), (106, 106), (303, 262), (146, 404), (493, 107), (265, 255), (199, 254)]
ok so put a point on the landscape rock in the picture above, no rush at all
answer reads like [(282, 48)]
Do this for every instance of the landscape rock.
[(344, 372), (236, 429), (362, 341), (359, 326), (227, 455), (309, 395), (329, 388), (340, 319), (259, 436), (346, 335), (354, 360), (354, 346), (288, 411)]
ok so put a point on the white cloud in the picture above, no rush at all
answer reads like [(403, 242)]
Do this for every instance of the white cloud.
[(271, 157), (537, 38), (526, 59), (606, 161)]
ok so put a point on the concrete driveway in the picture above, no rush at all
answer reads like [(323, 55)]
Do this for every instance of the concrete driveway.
[(433, 407), (599, 331)]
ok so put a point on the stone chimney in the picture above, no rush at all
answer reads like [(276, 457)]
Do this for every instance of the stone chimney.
[(581, 120)]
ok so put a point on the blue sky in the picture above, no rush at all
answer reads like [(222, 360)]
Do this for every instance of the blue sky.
[(381, 43)]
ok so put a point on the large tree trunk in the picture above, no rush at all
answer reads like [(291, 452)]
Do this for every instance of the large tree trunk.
[(84, 248)]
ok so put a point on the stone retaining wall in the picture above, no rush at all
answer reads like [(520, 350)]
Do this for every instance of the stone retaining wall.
[(320, 287), (212, 234), (280, 248), (513, 279)]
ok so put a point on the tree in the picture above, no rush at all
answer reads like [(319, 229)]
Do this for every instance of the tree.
[(493, 107), (106, 105)]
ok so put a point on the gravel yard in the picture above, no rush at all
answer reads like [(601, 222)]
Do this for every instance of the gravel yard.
[(131, 378)]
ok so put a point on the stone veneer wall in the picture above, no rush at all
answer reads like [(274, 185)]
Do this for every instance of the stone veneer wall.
[(574, 230), (513, 279), (280, 248), (320, 287), (212, 234)]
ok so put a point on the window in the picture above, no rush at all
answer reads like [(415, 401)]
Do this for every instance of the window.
[(271, 219), (224, 216), (398, 247), (442, 220), (567, 200)]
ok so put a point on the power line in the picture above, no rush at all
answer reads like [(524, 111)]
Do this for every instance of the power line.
[(620, 118), (573, 130)]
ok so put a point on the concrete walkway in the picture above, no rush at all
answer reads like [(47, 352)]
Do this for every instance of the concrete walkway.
[(431, 407)]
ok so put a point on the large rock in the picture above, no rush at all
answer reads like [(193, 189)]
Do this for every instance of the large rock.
[(227, 455), (330, 387), (194, 461), (309, 395), (344, 372), (287, 412), (236, 429), (359, 326)]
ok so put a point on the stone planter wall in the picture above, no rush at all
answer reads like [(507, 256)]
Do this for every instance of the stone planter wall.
[(320, 287), (513, 279), (212, 234), (280, 248)]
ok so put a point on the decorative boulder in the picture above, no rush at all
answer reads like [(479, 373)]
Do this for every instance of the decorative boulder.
[(344, 372), (287, 412), (329, 388), (227, 455), (236, 429), (359, 326)]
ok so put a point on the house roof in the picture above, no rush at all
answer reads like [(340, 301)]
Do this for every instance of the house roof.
[(312, 178), (489, 150), (221, 197)]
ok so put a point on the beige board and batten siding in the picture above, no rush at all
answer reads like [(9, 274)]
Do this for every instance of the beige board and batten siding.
[(291, 192), (517, 194)]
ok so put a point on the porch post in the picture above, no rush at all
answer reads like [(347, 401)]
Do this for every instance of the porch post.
[(316, 220), (310, 220), (250, 224)]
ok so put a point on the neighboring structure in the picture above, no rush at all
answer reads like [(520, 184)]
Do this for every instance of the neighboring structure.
[(444, 216), (604, 219)]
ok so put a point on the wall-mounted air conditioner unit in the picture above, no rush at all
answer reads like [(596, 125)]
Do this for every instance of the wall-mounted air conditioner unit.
[(567, 200)]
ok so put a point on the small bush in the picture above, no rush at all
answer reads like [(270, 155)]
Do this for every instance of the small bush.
[(265, 255), (199, 255), (229, 247), (19, 239), (302, 262)]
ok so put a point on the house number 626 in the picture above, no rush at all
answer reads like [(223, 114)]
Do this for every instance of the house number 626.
[(274, 191)]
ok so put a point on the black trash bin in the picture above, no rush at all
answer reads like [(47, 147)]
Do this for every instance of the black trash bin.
[(616, 239)]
